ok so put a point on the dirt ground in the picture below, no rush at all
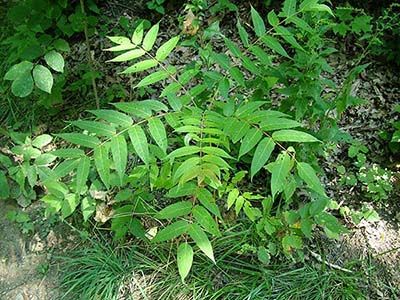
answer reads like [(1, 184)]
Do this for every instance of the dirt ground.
[(22, 257)]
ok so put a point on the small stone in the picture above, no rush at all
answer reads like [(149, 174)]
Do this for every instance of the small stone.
[(20, 296)]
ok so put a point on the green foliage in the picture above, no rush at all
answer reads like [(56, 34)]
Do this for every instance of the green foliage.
[(376, 182), (18, 181), (378, 36), (125, 272), (157, 5), (22, 219), (35, 45), (183, 159)]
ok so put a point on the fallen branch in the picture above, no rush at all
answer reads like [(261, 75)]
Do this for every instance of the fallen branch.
[(333, 266)]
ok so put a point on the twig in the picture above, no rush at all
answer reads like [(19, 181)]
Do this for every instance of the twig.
[(333, 266), (89, 55)]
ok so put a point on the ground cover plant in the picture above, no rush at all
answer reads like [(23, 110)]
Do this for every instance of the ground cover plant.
[(214, 164)]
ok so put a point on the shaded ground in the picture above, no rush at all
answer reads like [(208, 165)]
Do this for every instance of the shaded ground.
[(26, 270)]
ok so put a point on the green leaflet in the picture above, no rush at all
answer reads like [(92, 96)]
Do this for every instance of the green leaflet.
[(98, 128), (290, 242), (171, 231), (4, 187), (293, 136), (182, 190), (132, 54), (141, 66), (122, 47), (232, 197), (184, 151), (261, 155), (137, 35), (44, 159), (136, 108), (184, 260), (119, 151), (24, 67), (233, 48), (69, 204), (186, 167), (288, 37), (68, 153), (113, 116), (88, 207), (158, 133), (66, 167), (274, 123), (273, 19), (174, 210), (244, 36), (23, 85), (150, 38), (237, 75), (153, 78), (55, 61), (121, 40), (262, 56), (204, 218), (206, 199), (82, 174), (280, 170), (42, 140), (201, 240), (289, 8), (43, 78), (258, 23), (139, 142), (274, 44), (166, 48), (216, 151), (307, 173), (80, 139), (250, 140)]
